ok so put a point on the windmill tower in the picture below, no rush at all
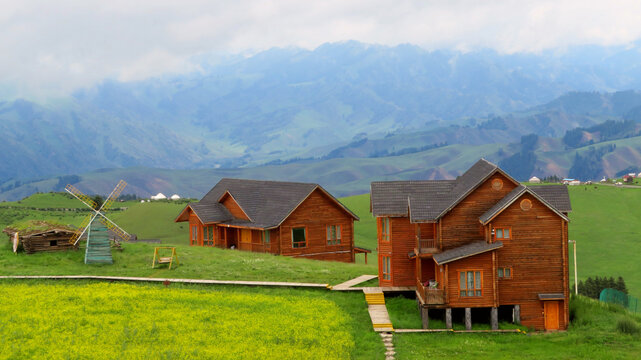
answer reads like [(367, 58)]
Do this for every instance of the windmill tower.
[(97, 226)]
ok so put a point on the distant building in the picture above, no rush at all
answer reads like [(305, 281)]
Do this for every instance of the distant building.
[(535, 180), (632, 175), (159, 196), (175, 197), (603, 180), (628, 178), (574, 182)]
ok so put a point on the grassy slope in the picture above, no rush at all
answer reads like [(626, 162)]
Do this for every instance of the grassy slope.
[(181, 321), (605, 223), (154, 220)]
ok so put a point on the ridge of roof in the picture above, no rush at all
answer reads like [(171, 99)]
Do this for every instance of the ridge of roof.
[(257, 198)]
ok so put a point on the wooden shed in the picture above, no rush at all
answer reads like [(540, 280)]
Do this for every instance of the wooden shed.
[(42, 236)]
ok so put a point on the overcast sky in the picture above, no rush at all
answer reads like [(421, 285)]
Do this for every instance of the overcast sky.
[(48, 48)]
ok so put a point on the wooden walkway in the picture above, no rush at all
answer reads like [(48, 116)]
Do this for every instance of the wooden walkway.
[(377, 309), (162, 280), (348, 285), (457, 331)]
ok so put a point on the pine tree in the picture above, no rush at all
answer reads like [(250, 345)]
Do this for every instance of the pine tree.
[(621, 285)]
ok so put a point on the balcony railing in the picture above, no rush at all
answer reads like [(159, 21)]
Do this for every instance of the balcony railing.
[(430, 296), (427, 246)]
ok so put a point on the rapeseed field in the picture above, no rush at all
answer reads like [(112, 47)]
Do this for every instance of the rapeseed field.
[(124, 321)]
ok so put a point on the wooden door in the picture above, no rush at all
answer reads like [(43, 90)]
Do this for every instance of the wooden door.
[(551, 309), (245, 239)]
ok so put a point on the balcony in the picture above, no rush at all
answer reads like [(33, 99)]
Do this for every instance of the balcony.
[(430, 296), (427, 246)]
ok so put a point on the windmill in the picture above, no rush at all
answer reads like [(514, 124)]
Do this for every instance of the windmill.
[(96, 225)]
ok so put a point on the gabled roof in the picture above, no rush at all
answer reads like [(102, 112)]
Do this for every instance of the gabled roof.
[(465, 251), (266, 203), (557, 195), (428, 200), (207, 213)]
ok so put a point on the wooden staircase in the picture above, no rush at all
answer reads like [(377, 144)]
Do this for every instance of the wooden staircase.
[(375, 298), (98, 245)]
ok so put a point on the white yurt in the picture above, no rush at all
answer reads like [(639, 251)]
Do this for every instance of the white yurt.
[(159, 196), (535, 180), (175, 197)]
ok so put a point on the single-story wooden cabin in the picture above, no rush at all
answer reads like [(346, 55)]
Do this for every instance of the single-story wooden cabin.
[(43, 237), (284, 218)]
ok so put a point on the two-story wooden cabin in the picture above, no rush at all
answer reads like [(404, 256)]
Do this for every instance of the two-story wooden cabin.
[(480, 241), (284, 218)]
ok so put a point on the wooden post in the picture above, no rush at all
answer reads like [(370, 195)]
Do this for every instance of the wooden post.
[(494, 318), (468, 319), (448, 318), (516, 314), (425, 317)]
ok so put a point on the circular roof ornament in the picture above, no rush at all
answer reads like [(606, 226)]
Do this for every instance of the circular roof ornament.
[(526, 204), (497, 184)]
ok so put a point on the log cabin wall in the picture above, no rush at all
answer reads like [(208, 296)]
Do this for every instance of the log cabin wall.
[(315, 214), (538, 239), (233, 207), (481, 262), (403, 239), (461, 225)]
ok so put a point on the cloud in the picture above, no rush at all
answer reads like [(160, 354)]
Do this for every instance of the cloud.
[(51, 48)]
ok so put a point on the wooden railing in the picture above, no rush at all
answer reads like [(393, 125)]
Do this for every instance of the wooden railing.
[(430, 296), (427, 246)]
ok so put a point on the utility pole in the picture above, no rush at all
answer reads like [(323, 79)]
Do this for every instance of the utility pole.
[(576, 280)]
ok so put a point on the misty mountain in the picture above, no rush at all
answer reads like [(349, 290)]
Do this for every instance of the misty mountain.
[(285, 103)]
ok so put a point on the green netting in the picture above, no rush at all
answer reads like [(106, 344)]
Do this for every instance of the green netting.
[(617, 297)]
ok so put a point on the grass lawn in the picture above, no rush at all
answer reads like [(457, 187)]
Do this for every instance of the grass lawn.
[(61, 320), (195, 263), (605, 222), (592, 335)]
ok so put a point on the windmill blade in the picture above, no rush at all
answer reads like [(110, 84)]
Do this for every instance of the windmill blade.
[(81, 229), (80, 196), (113, 227), (113, 196)]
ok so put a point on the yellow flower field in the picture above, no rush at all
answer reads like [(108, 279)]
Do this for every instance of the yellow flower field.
[(123, 321)]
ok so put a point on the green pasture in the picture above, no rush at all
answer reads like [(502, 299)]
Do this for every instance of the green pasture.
[(81, 320), (606, 224)]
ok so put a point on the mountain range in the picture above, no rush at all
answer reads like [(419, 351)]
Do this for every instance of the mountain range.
[(336, 105)]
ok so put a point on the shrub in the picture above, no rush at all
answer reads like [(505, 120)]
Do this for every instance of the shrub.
[(628, 326)]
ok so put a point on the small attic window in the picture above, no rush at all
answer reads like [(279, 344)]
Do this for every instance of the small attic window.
[(53, 242), (497, 184)]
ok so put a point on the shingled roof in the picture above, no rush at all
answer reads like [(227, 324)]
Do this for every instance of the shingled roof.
[(266, 203), (464, 251), (429, 200), (559, 196)]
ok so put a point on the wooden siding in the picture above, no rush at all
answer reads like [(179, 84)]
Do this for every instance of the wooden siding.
[(233, 207), (403, 239), (537, 254), (482, 262), (461, 225), (315, 214)]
